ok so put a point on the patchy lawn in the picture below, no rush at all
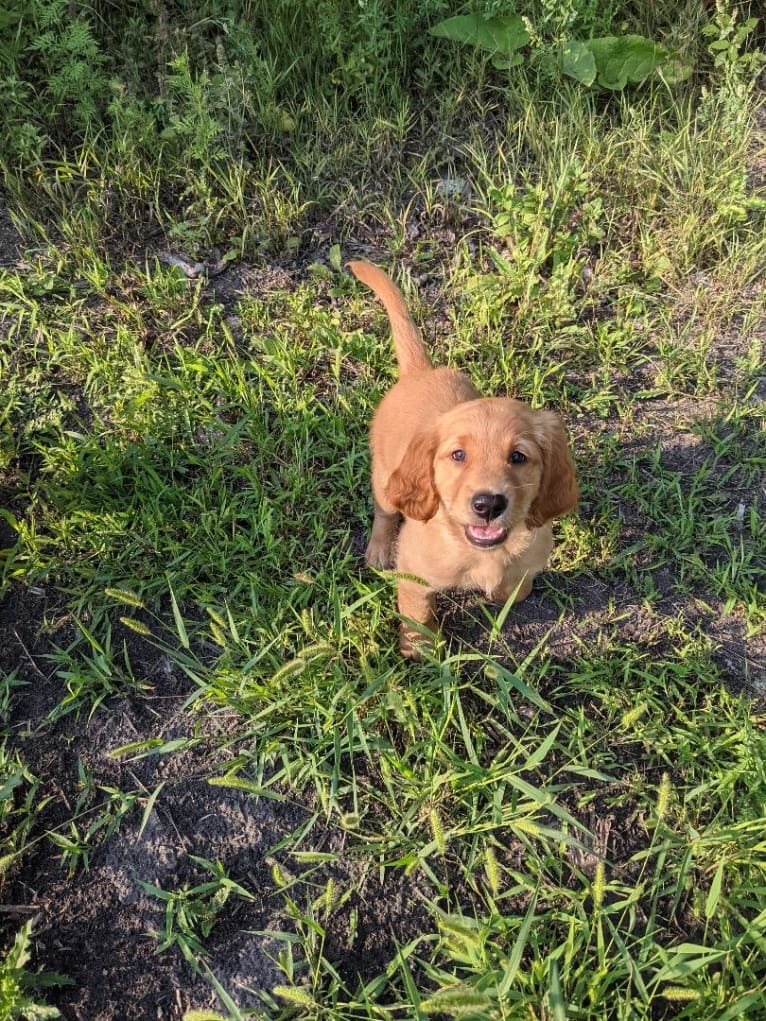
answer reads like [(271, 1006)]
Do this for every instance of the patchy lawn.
[(224, 791)]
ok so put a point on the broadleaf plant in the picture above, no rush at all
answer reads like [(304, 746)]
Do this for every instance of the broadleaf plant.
[(611, 61), (623, 59), (502, 36), (578, 61)]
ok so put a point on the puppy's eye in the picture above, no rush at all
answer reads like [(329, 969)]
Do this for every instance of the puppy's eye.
[(458, 455), (517, 457)]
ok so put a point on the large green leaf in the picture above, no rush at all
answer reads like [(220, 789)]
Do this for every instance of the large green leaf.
[(503, 61), (623, 59), (501, 36), (578, 61)]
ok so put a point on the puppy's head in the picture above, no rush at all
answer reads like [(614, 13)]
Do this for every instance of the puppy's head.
[(491, 464)]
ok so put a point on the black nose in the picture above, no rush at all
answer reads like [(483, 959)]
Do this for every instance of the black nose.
[(489, 505)]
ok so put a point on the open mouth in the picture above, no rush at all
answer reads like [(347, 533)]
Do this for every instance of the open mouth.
[(486, 536)]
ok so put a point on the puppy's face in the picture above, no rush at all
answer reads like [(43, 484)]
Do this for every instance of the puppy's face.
[(491, 464)]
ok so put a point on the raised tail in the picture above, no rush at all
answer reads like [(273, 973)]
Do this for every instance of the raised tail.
[(408, 343)]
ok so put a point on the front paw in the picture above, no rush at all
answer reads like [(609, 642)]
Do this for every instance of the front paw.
[(517, 589), (416, 645), (380, 554)]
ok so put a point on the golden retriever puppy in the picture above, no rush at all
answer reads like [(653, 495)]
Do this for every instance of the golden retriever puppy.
[(465, 487)]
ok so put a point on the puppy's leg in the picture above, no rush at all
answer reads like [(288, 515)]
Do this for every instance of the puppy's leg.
[(514, 585), (380, 548), (417, 603), (521, 572)]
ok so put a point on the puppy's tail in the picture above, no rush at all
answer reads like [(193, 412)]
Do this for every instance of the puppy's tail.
[(410, 352)]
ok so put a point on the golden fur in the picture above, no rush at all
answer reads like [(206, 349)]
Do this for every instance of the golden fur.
[(465, 487)]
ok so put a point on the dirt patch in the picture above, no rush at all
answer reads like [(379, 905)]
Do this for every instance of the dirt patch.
[(102, 924), (100, 928)]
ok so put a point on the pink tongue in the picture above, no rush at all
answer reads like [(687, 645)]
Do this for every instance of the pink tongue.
[(486, 531)]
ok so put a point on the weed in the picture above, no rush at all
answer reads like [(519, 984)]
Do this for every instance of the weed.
[(93, 821), (20, 802), (20, 989), (610, 61), (191, 913)]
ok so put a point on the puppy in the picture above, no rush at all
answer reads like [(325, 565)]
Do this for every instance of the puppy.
[(465, 487)]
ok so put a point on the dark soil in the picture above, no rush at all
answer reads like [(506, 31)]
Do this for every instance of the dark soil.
[(96, 930)]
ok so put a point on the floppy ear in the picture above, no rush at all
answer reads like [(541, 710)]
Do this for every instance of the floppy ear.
[(558, 492), (411, 488)]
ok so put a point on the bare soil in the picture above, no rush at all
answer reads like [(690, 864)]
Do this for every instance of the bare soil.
[(94, 927)]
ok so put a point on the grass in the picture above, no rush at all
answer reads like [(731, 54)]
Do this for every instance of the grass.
[(183, 462)]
